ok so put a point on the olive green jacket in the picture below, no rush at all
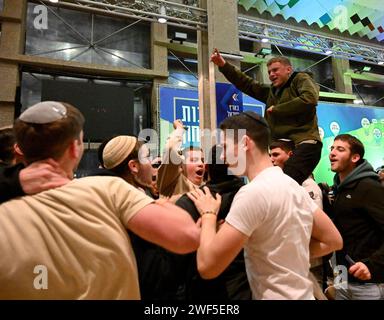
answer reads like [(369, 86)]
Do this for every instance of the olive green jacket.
[(294, 105)]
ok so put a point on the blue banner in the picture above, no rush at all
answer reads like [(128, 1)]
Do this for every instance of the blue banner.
[(181, 104), (229, 101), (251, 104), (177, 103)]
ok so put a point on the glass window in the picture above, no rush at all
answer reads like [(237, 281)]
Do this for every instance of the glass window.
[(180, 76), (71, 35)]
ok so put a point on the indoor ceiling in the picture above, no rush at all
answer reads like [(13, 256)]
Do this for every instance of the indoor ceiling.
[(364, 18)]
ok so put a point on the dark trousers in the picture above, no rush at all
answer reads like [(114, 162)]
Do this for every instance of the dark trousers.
[(303, 161)]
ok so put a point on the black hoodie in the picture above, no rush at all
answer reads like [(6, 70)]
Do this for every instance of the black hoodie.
[(232, 284), (359, 216), (10, 186)]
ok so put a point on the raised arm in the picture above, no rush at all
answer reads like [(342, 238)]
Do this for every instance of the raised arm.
[(170, 169), (243, 82)]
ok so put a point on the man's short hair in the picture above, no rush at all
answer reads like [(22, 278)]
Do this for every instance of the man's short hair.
[(254, 125), (7, 142), (286, 145), (281, 59), (355, 144), (40, 141)]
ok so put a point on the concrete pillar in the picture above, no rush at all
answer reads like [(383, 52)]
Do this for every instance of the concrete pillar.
[(223, 34), (11, 44), (343, 82), (159, 62)]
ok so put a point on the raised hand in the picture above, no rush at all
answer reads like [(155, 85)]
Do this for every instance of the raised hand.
[(217, 59), (178, 124)]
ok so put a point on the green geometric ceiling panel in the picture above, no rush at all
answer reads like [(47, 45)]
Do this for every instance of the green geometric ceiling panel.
[(361, 17)]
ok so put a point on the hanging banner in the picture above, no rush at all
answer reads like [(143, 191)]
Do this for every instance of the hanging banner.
[(181, 103), (251, 104), (229, 101), (176, 103)]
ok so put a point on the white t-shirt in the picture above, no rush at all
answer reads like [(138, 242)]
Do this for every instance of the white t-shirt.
[(73, 240), (314, 191), (277, 216)]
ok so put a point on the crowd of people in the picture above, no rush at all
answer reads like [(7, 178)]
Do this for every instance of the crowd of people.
[(178, 228)]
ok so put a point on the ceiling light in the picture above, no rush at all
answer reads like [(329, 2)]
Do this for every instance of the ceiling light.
[(264, 52), (380, 63), (54, 1), (163, 13), (363, 69), (265, 37), (179, 36)]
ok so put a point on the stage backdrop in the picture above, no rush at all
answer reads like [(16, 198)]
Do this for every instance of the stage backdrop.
[(366, 123)]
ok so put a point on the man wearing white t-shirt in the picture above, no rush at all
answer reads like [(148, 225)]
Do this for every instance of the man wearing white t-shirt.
[(272, 217)]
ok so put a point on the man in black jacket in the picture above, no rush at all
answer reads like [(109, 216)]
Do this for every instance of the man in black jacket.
[(358, 211), (233, 283)]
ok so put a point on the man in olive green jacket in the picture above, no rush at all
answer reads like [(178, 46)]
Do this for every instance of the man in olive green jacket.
[(291, 109)]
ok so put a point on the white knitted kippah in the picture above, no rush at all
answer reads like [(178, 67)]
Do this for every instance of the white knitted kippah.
[(44, 112), (117, 150)]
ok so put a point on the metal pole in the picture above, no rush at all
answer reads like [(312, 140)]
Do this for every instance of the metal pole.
[(182, 63)]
